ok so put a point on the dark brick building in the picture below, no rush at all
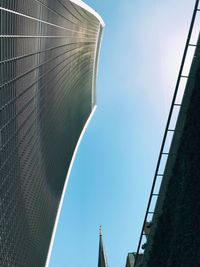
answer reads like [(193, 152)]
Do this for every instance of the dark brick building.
[(174, 238)]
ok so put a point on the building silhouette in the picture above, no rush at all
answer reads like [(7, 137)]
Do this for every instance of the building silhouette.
[(130, 260), (171, 238), (102, 260), (48, 64)]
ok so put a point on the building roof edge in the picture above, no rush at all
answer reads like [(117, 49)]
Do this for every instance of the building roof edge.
[(89, 9)]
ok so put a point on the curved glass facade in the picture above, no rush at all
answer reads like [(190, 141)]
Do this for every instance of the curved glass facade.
[(48, 58)]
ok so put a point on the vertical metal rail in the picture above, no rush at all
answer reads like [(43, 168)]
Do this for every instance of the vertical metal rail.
[(173, 104)]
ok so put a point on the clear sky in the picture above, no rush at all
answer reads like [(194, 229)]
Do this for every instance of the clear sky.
[(111, 178)]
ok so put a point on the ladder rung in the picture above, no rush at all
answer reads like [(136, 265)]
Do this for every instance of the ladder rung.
[(165, 153), (159, 174), (171, 130), (187, 77), (178, 105), (145, 234)]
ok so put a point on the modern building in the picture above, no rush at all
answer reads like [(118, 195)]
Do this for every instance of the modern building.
[(48, 65), (102, 260)]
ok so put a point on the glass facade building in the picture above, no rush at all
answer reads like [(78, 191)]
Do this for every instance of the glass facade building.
[(48, 64)]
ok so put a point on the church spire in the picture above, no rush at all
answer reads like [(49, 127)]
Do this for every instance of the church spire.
[(100, 230), (102, 262)]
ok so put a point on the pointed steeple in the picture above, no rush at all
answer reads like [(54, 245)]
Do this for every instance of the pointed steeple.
[(102, 262)]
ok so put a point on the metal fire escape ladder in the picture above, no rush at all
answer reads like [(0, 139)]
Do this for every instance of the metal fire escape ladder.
[(154, 192)]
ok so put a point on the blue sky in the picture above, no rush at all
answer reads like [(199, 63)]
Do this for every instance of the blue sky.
[(111, 178)]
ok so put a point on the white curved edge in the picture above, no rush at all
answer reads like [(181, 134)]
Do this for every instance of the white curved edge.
[(96, 63), (65, 185), (88, 8), (96, 55)]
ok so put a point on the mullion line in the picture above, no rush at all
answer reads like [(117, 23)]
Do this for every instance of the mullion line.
[(68, 10), (60, 88), (32, 113), (42, 51), (60, 107), (35, 68), (17, 147), (24, 107), (73, 5), (86, 13), (37, 20), (40, 77), (88, 19), (63, 16), (45, 36)]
